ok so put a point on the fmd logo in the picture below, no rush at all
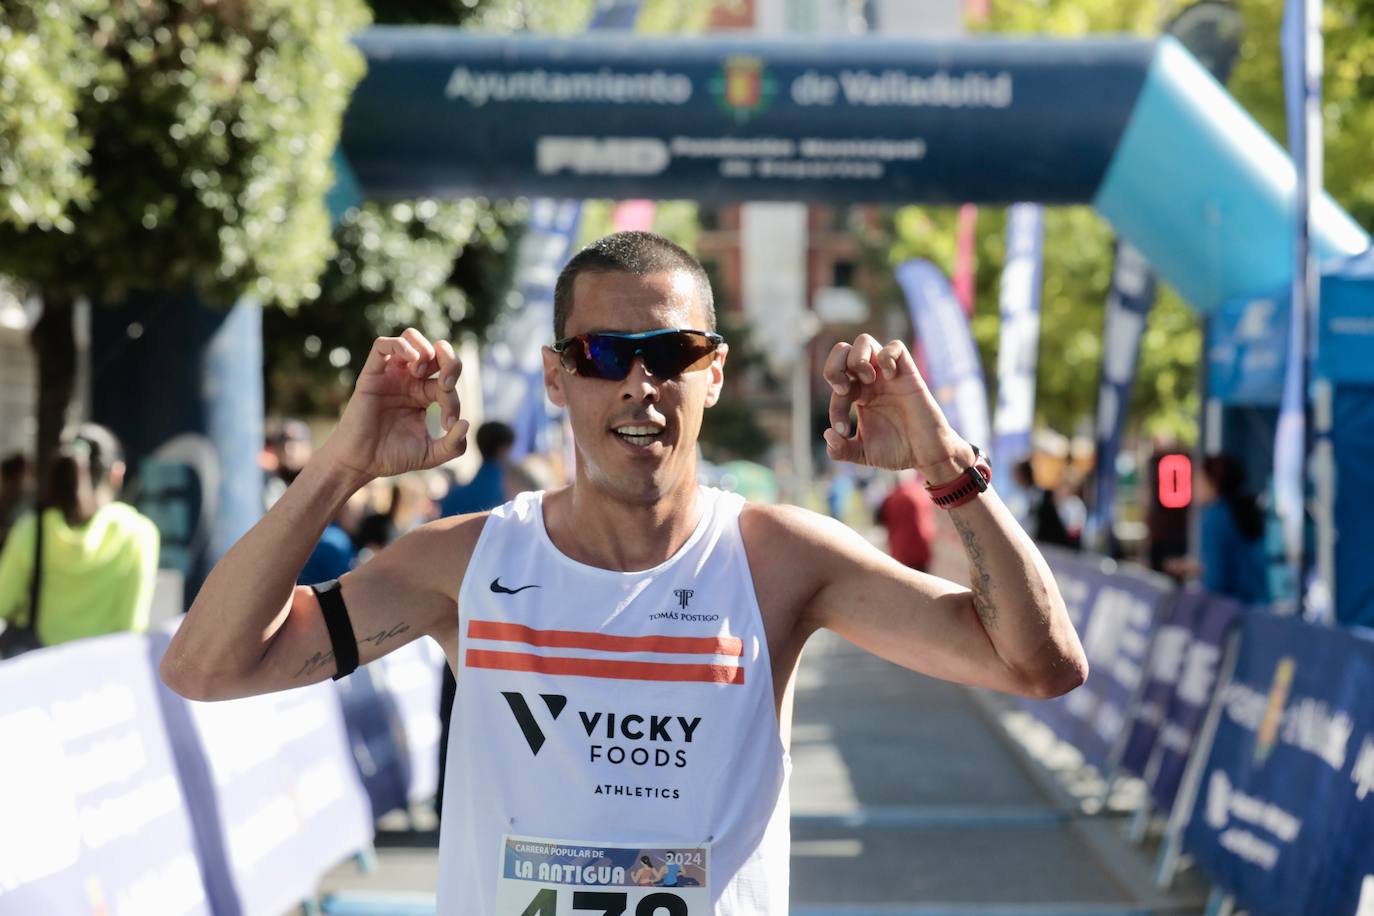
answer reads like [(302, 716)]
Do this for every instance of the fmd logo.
[(744, 88)]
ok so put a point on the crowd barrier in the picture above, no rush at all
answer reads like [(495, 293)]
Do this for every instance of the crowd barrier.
[(391, 712), (118, 796), (1254, 733)]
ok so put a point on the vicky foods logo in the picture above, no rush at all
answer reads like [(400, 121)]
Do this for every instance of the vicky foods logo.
[(616, 738)]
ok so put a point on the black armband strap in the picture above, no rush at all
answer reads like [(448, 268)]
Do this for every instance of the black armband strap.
[(341, 636)]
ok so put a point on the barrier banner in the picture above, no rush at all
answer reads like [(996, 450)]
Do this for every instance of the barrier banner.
[(371, 721), (1180, 681), (411, 676), (92, 818), (1114, 609), (272, 791), (1285, 810), (1196, 683), (1165, 665)]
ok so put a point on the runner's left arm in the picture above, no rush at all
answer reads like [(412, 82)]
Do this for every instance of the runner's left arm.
[(1010, 623)]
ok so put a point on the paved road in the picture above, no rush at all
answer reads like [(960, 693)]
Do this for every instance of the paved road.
[(908, 798)]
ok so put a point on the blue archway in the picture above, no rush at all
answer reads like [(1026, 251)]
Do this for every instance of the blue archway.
[(1136, 128)]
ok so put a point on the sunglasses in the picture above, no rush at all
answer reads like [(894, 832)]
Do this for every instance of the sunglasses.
[(666, 353)]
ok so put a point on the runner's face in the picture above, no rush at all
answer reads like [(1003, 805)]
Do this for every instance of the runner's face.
[(640, 469)]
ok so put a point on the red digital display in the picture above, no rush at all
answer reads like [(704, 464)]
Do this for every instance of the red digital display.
[(1175, 481)]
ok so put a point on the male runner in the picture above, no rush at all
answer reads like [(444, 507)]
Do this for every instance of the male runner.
[(625, 647)]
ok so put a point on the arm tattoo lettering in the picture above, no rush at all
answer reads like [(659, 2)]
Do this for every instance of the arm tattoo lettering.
[(382, 636), (320, 659), (980, 580), (315, 663)]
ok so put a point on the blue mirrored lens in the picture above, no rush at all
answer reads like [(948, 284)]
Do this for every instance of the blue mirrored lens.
[(610, 355)]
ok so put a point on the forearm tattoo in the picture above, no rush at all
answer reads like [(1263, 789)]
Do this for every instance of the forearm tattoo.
[(980, 581), (320, 659)]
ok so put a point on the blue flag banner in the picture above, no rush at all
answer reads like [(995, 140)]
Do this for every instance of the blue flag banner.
[(273, 792), (92, 817), (1019, 343), (952, 364), (512, 365), (1180, 681), (1247, 345), (1115, 609), (1129, 301), (1285, 812), (1300, 43)]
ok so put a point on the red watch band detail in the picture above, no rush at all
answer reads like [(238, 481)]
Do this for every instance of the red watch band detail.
[(964, 488)]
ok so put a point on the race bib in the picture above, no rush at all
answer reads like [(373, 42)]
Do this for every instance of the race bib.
[(563, 878)]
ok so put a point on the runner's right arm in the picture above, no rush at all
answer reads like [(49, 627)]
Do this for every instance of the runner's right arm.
[(251, 629)]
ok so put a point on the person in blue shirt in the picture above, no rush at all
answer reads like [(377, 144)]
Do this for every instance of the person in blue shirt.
[(332, 557), (1233, 560), (487, 489)]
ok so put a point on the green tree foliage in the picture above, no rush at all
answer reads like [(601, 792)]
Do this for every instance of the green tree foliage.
[(1347, 91), (181, 144), (165, 145), (44, 65), (443, 267)]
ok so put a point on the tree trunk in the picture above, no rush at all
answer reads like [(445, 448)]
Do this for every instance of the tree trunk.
[(54, 341)]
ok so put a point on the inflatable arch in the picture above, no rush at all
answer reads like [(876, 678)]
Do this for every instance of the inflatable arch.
[(1136, 128)]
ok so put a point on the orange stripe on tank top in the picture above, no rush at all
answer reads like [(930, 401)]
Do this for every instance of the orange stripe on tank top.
[(595, 667), (577, 639)]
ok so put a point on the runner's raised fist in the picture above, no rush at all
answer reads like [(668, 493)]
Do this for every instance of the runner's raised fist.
[(383, 432), (899, 424)]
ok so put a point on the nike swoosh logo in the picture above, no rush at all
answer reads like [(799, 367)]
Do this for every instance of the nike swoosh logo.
[(500, 589)]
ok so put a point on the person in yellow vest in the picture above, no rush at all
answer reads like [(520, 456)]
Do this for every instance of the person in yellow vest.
[(99, 555)]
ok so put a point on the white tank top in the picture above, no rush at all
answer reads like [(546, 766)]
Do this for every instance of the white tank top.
[(614, 745)]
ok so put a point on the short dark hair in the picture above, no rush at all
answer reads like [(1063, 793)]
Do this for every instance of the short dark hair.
[(493, 437), (638, 253)]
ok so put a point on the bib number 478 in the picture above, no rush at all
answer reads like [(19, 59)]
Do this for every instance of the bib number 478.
[(608, 903)]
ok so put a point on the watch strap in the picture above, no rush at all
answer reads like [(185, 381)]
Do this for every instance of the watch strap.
[(966, 487)]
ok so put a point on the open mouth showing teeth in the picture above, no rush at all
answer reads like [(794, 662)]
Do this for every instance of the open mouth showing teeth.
[(639, 435)]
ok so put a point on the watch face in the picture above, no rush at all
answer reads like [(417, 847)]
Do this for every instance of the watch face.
[(981, 477)]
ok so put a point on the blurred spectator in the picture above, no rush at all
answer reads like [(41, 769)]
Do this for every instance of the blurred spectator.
[(1233, 561), (15, 498), (841, 488), (1046, 525), (1073, 512), (487, 489), (288, 447), (909, 517), (1167, 529), (409, 507), (99, 557)]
